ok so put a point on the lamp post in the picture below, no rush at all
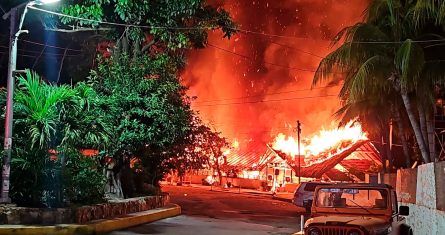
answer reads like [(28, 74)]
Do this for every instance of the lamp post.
[(14, 35), (299, 157)]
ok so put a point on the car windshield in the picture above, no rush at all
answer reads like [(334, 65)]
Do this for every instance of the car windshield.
[(352, 198)]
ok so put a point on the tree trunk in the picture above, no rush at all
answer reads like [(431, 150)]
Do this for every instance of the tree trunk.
[(125, 45), (387, 149), (381, 148), (402, 137), (117, 51), (218, 169), (136, 50), (415, 126), (422, 121), (61, 181), (431, 137)]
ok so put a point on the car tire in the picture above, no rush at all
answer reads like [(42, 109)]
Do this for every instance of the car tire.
[(406, 230)]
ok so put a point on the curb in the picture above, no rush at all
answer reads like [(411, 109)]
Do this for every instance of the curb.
[(251, 193), (282, 199), (98, 226)]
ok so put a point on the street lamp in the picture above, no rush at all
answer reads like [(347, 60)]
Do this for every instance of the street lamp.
[(14, 35)]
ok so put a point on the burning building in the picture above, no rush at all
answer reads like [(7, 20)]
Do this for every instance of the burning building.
[(341, 154), (257, 84)]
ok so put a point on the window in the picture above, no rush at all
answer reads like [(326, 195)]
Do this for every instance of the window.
[(352, 198), (311, 187)]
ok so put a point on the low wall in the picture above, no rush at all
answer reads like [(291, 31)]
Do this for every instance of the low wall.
[(197, 179), (425, 220), (423, 191), (81, 215), (244, 183)]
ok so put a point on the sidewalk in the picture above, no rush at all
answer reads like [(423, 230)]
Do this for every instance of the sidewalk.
[(96, 227), (282, 196)]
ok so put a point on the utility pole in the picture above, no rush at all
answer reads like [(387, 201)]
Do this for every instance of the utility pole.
[(9, 109), (12, 65), (299, 161)]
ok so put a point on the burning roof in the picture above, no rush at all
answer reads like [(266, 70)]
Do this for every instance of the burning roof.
[(343, 154)]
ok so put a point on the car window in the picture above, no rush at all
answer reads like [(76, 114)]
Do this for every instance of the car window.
[(310, 187), (352, 198), (395, 208)]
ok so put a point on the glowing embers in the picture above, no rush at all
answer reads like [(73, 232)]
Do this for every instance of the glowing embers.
[(324, 144)]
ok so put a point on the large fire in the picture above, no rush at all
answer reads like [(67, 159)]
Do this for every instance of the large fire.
[(325, 142), (249, 97)]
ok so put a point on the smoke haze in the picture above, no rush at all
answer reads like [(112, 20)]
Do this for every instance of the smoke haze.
[(261, 85)]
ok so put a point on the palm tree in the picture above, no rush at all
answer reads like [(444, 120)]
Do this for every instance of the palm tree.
[(391, 49), (56, 119)]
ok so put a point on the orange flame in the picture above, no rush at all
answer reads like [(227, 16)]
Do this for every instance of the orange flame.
[(325, 141)]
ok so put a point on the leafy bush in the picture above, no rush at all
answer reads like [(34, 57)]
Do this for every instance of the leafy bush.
[(51, 124), (84, 180), (34, 180)]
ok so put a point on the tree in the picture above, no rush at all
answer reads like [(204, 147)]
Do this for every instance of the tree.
[(158, 25), (147, 107), (45, 138), (138, 82), (201, 148), (387, 51)]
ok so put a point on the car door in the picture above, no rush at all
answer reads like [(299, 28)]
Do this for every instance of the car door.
[(397, 220)]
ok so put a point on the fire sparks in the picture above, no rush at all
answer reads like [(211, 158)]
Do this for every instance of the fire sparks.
[(235, 144), (326, 142)]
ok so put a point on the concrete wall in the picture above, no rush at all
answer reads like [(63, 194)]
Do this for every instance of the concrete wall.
[(406, 185), (423, 192), (197, 179), (440, 185)]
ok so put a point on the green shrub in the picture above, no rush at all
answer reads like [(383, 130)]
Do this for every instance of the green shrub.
[(84, 180)]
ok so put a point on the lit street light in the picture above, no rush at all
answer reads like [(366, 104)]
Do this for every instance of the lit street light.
[(14, 35)]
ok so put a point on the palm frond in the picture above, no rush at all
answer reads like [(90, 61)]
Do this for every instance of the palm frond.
[(369, 76), (409, 61)]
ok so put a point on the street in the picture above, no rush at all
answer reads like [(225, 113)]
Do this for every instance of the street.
[(217, 212)]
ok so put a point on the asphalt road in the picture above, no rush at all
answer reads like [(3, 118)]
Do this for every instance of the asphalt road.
[(215, 213)]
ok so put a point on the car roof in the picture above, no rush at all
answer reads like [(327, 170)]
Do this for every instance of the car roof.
[(358, 185), (315, 182)]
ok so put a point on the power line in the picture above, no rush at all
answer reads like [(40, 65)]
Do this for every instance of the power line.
[(267, 94), (45, 45), (207, 28), (264, 101), (35, 56), (41, 44), (264, 62), (297, 49), (38, 52), (24, 55), (332, 41)]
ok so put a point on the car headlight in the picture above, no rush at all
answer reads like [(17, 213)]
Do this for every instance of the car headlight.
[(314, 231), (354, 232)]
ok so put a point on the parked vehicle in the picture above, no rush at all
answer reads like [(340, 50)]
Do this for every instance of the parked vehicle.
[(357, 209), (304, 194)]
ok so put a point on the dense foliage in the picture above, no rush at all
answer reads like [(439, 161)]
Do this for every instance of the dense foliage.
[(392, 66), (177, 23), (52, 124), (131, 108)]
